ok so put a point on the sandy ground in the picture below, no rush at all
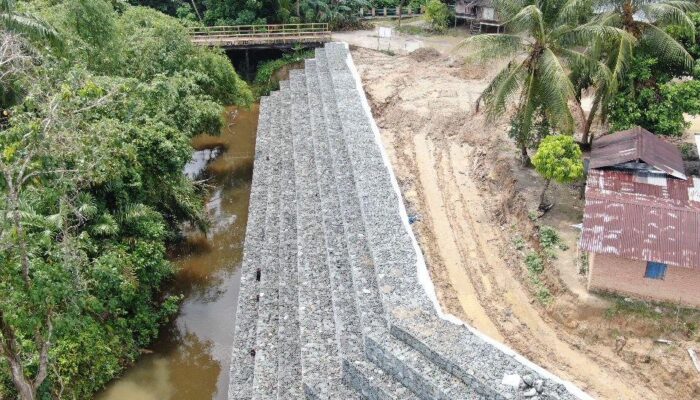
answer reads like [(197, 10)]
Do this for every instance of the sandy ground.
[(401, 43), (460, 177)]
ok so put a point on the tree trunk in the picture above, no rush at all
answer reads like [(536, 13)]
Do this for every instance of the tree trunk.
[(544, 192), (196, 10), (524, 157), (298, 8), (10, 350), (588, 123), (628, 22), (17, 221)]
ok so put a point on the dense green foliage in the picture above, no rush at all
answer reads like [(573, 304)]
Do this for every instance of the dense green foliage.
[(438, 15), (259, 12), (265, 78), (651, 96), (648, 97), (92, 189)]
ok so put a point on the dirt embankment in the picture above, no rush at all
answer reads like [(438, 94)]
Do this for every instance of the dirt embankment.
[(460, 176)]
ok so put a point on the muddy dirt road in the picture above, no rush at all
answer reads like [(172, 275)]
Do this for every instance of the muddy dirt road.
[(457, 174)]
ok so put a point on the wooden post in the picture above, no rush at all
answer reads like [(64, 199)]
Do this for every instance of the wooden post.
[(385, 11), (373, 11), (362, 12)]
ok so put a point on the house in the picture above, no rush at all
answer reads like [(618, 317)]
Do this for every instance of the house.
[(641, 222), (480, 14)]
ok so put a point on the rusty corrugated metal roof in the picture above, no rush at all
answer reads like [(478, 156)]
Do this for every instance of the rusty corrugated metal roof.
[(637, 144), (627, 217)]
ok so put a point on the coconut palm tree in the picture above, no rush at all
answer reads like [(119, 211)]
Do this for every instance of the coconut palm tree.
[(24, 24), (546, 41), (644, 21)]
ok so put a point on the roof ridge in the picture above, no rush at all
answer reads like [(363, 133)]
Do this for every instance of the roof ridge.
[(639, 144)]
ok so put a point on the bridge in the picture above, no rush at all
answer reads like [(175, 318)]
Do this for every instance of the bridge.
[(261, 36)]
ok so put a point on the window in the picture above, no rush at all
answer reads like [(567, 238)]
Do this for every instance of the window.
[(655, 270)]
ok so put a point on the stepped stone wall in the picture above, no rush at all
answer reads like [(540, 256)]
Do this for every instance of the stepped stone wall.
[(335, 300)]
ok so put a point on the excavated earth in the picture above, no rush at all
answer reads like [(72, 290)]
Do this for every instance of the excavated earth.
[(460, 177)]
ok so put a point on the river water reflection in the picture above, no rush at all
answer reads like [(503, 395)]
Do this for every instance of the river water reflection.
[(190, 359)]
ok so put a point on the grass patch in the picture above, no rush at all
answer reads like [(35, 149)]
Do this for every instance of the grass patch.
[(627, 307), (519, 243), (419, 30), (667, 318), (535, 267), (583, 263), (414, 30)]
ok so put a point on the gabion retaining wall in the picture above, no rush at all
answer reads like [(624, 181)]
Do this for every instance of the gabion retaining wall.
[(335, 300)]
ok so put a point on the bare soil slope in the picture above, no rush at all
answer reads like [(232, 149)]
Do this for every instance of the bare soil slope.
[(459, 176)]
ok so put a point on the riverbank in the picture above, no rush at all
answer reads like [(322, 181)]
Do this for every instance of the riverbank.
[(190, 359)]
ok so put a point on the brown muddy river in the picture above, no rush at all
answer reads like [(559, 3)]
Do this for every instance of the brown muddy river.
[(190, 359)]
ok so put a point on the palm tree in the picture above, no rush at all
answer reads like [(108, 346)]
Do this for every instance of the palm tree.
[(643, 20), (546, 41), (24, 24)]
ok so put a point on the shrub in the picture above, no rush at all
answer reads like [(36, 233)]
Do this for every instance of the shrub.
[(550, 239), (438, 15), (534, 263)]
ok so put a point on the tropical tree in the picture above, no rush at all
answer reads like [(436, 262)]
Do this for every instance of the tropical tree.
[(644, 21), (25, 24), (558, 158), (16, 27), (545, 42)]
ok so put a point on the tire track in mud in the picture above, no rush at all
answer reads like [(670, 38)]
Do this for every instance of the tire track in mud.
[(437, 177)]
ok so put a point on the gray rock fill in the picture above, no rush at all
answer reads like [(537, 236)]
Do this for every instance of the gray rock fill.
[(289, 362), (242, 358), (343, 314)]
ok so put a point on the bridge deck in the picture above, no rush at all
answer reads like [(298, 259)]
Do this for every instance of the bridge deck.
[(246, 36)]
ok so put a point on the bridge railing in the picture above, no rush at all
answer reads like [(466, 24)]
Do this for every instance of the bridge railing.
[(260, 31), (391, 12)]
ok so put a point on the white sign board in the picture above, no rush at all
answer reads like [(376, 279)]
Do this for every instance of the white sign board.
[(384, 32)]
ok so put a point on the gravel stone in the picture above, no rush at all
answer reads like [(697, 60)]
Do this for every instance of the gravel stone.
[(289, 362), (243, 358)]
